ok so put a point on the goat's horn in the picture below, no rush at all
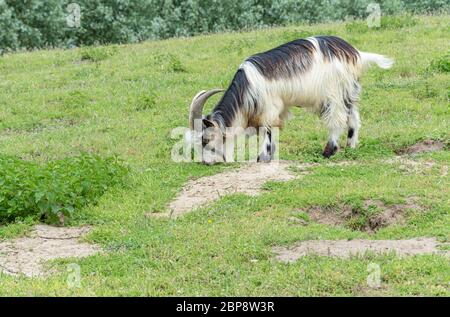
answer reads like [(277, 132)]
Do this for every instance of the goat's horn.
[(196, 108)]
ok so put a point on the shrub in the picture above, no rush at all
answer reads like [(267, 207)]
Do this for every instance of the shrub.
[(31, 24), (55, 189), (36, 23)]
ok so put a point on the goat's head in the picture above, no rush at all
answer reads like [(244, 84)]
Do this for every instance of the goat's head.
[(209, 129)]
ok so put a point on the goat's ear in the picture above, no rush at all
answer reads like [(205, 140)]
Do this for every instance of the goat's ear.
[(207, 123)]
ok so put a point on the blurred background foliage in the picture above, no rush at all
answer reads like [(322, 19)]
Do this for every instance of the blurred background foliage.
[(30, 24)]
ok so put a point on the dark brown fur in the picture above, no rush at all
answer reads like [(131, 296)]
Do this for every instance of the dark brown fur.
[(285, 61), (335, 47)]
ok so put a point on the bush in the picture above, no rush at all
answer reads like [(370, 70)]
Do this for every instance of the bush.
[(55, 189), (36, 23), (31, 24)]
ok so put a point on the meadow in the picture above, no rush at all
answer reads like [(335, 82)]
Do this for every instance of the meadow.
[(124, 100)]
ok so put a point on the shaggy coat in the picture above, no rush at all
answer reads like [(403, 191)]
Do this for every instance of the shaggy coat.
[(318, 73)]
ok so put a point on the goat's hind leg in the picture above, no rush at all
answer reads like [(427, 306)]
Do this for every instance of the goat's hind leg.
[(354, 123)]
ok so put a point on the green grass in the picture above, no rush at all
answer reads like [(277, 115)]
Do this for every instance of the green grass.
[(125, 101)]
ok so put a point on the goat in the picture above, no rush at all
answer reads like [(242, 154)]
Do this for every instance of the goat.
[(318, 73)]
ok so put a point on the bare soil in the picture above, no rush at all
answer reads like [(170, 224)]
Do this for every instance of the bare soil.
[(247, 179), (411, 166), (27, 255), (349, 248), (328, 215), (367, 291), (362, 219), (423, 146)]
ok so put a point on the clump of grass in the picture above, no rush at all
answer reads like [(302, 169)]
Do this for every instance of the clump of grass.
[(169, 62), (57, 189), (440, 64), (16, 229), (302, 216), (75, 99), (145, 102), (426, 91), (175, 64), (97, 53), (360, 215)]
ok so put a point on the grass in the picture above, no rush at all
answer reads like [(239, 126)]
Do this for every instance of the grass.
[(125, 100)]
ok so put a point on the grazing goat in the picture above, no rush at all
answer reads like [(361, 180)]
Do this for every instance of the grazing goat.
[(320, 73)]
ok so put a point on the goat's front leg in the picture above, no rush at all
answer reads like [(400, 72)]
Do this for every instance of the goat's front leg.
[(333, 139), (267, 148), (335, 116)]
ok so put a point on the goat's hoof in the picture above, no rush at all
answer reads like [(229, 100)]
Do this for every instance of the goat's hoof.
[(264, 158), (330, 149), (352, 144)]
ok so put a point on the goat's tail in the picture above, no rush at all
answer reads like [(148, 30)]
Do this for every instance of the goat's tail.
[(382, 61)]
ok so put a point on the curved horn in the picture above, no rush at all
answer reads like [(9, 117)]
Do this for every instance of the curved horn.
[(196, 108)]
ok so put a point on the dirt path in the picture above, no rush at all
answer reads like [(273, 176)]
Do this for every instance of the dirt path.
[(247, 179), (348, 248), (27, 255), (250, 177)]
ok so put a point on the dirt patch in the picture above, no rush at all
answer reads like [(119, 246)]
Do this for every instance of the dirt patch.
[(247, 179), (349, 248), (383, 216), (27, 255), (370, 217), (367, 291), (328, 215), (408, 165), (411, 166), (423, 146)]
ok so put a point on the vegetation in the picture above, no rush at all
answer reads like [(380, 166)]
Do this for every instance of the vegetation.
[(57, 104), (36, 23), (54, 190)]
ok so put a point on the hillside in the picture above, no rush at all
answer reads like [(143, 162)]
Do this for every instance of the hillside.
[(124, 100)]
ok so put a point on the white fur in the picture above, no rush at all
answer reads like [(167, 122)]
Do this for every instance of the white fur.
[(325, 82), (380, 60)]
